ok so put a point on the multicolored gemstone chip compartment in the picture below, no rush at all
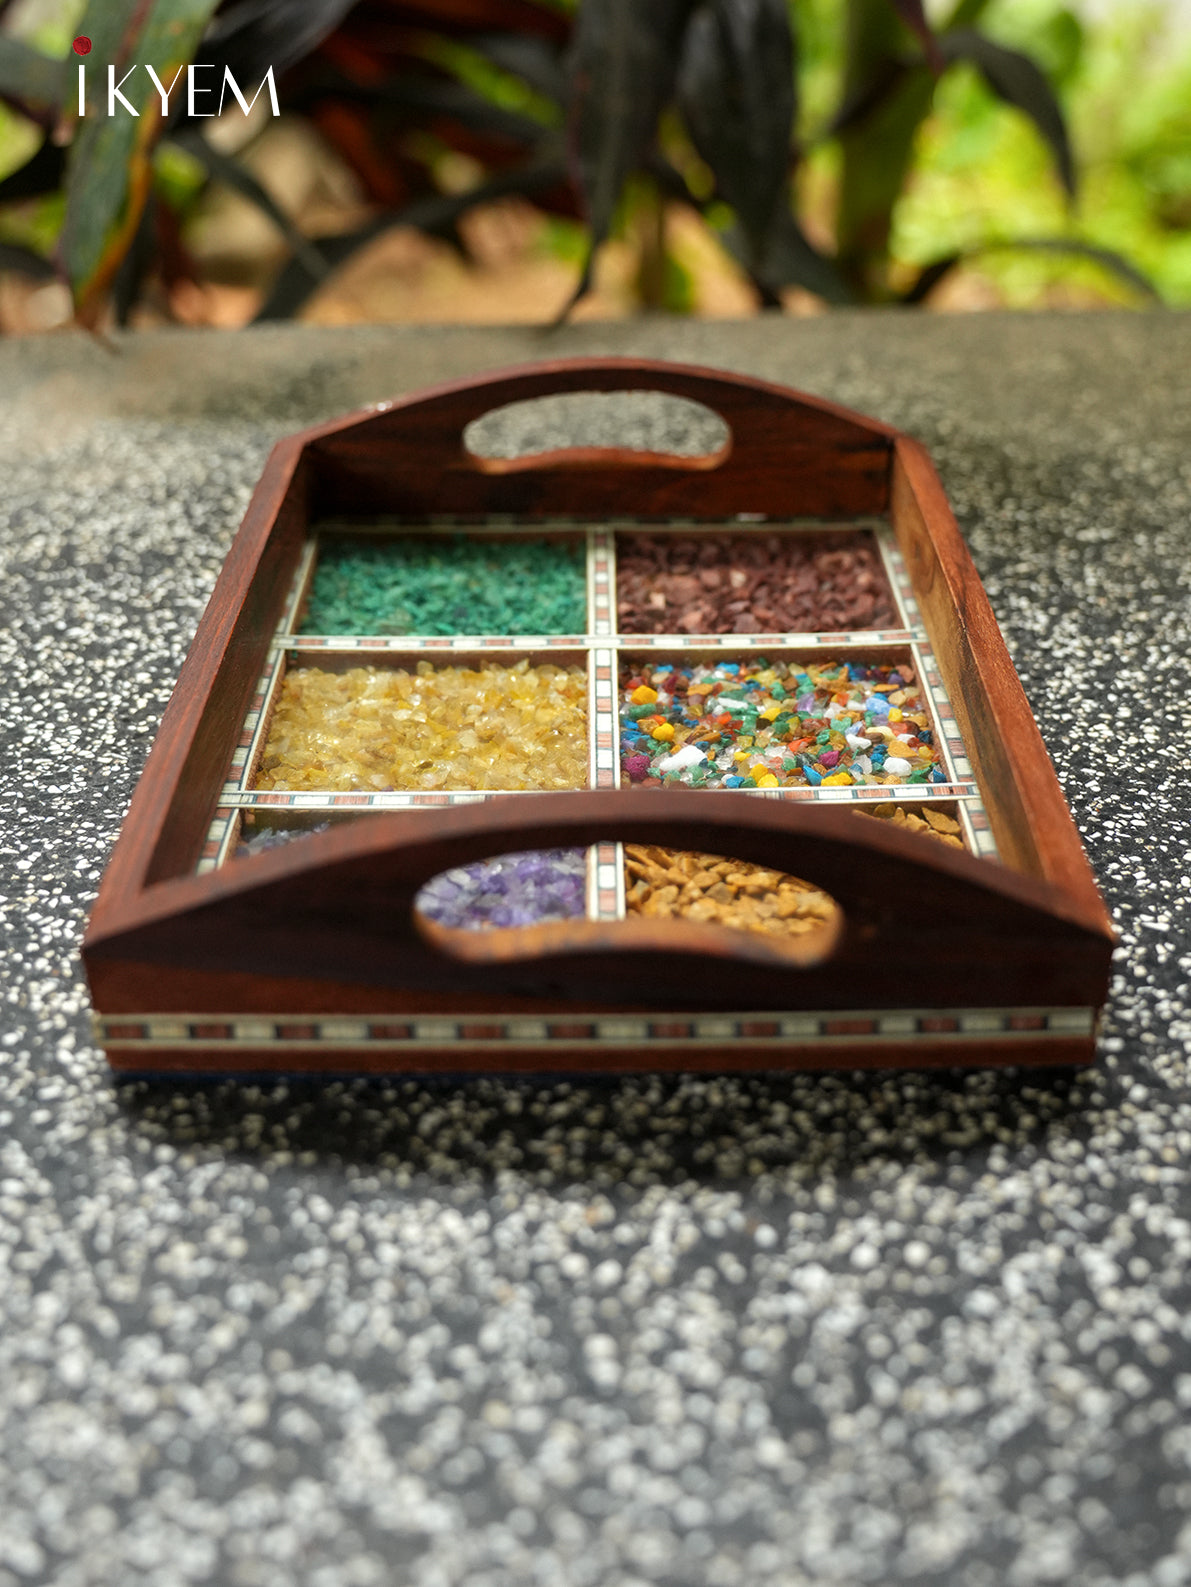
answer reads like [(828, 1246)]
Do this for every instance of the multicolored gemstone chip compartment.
[(776, 723)]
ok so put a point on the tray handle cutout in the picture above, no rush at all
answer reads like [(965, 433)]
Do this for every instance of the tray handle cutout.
[(916, 918), (635, 426), (781, 454), (635, 933)]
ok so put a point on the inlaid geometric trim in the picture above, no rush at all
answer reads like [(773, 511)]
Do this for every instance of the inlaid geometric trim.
[(601, 582), (301, 584), (386, 643), (387, 799), (830, 641), (606, 901), (221, 832), (255, 722), (605, 762), (977, 828), (221, 835), (863, 793), (487, 1031), (951, 743), (738, 523), (398, 799)]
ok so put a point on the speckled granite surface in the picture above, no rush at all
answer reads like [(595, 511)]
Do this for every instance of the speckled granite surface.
[(695, 1333)]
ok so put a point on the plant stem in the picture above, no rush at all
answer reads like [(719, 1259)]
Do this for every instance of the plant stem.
[(650, 227), (882, 62)]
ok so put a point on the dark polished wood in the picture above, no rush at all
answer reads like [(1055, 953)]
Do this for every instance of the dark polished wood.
[(920, 921), (1031, 822), (741, 1057), (787, 455), (328, 925)]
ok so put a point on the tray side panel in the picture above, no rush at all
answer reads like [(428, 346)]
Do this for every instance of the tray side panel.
[(173, 803), (1029, 815)]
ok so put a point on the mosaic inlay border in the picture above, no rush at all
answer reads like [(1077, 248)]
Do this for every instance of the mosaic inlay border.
[(825, 1026)]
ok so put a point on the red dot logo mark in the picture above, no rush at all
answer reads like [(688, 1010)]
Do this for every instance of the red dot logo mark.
[(82, 45)]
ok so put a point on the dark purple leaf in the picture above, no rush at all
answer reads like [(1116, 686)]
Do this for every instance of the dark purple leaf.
[(435, 214), (872, 93), (791, 260), (253, 35), (456, 100), (136, 265), (670, 181), (736, 94), (930, 275), (427, 97), (25, 262), (535, 61), (913, 14), (1014, 78), (623, 66), (236, 176), (42, 174)]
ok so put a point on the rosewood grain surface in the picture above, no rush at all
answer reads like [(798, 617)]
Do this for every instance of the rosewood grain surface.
[(739, 1057), (807, 458), (339, 906)]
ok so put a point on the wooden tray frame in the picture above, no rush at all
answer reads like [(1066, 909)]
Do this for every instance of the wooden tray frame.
[(310, 958)]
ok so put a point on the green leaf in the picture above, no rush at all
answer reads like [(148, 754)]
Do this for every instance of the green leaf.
[(878, 157), (625, 57), (535, 61), (736, 94), (885, 101), (109, 172), (966, 12), (1060, 43), (930, 275), (1015, 78), (457, 101), (888, 75), (30, 81), (252, 35)]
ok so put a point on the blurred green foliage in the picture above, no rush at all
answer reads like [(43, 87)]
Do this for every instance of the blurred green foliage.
[(978, 177), (982, 174)]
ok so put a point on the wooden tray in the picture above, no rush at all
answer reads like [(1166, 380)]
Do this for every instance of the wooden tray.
[(312, 958)]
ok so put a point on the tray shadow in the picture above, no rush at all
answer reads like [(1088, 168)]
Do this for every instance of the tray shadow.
[(778, 1129)]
